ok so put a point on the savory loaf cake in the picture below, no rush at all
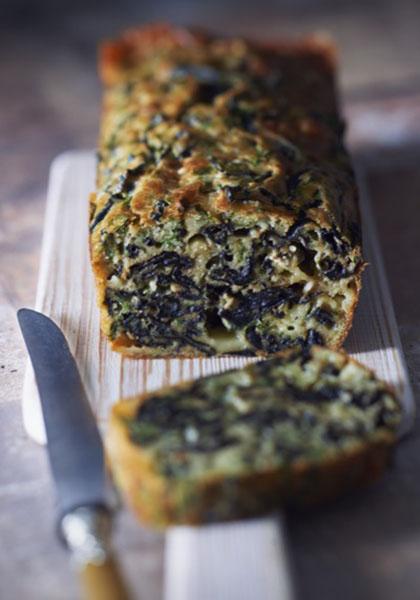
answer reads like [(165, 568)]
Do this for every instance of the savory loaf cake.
[(297, 429), (225, 217)]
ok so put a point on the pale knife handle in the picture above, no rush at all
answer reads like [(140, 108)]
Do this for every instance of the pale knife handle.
[(103, 581)]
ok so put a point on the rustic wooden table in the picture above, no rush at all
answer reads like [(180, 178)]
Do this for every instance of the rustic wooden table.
[(367, 546)]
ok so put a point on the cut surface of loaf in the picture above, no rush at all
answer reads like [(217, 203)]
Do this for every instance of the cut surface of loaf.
[(294, 430), (225, 218)]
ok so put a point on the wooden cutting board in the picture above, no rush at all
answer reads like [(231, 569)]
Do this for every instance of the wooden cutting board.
[(221, 562)]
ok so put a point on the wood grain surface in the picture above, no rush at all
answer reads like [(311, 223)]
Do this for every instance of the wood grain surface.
[(367, 546)]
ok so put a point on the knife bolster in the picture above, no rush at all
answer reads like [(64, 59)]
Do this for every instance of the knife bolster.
[(86, 531)]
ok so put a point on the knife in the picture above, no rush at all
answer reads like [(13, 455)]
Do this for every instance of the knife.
[(76, 458)]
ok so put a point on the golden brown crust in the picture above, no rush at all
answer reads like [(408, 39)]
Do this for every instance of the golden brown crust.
[(139, 42)]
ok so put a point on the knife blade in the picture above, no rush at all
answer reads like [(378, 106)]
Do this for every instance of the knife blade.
[(76, 457)]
